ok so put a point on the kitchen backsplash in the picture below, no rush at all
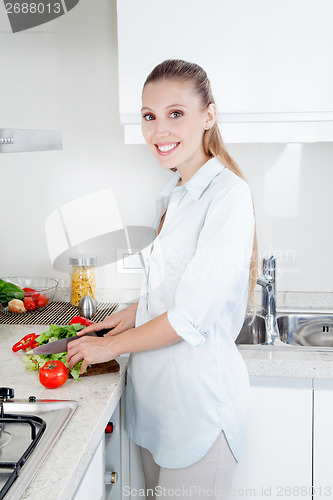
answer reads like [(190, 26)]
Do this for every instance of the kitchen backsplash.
[(293, 300), (291, 183)]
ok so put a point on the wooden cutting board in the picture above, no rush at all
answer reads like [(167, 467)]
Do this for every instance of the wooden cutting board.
[(100, 368)]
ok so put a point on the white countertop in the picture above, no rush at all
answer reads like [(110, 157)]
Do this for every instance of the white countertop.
[(97, 397), (264, 361)]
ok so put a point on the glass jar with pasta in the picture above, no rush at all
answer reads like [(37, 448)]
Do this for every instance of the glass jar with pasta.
[(83, 280)]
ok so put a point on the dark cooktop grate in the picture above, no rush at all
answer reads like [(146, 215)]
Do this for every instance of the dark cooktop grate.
[(58, 313), (37, 426)]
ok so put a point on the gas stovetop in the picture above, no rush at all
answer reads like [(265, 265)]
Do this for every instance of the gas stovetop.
[(28, 430)]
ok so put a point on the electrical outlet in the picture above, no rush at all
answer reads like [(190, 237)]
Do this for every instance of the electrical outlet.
[(129, 261)]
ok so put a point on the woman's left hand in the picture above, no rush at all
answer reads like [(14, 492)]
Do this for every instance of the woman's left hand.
[(91, 350)]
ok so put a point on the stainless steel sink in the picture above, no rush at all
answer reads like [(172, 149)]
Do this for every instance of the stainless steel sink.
[(297, 328), (306, 329), (252, 332)]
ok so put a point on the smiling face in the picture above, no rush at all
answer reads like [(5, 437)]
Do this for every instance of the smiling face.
[(173, 124)]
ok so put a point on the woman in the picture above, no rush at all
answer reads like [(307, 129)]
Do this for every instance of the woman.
[(187, 386)]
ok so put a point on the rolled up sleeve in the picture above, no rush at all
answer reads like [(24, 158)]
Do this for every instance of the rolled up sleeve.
[(181, 324), (219, 268)]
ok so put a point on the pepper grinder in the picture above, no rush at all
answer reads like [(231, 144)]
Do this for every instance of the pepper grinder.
[(87, 307)]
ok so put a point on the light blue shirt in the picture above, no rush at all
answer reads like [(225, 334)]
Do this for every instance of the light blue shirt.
[(180, 397)]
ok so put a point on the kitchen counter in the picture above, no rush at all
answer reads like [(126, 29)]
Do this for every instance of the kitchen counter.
[(97, 397), (264, 361)]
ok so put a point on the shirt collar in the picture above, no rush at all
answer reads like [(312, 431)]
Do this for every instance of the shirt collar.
[(196, 185), (203, 177)]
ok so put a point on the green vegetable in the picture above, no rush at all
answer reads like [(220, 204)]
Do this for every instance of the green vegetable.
[(75, 371), (58, 332), (9, 291), (55, 332)]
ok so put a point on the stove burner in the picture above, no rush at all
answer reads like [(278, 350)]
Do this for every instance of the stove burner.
[(11, 469), (5, 438), (37, 426), (28, 430)]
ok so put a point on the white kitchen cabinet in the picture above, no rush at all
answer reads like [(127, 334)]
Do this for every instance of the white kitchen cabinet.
[(268, 62), (323, 438), (92, 484), (277, 460), (112, 457), (122, 456)]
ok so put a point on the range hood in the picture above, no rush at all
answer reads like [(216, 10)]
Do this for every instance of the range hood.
[(13, 140)]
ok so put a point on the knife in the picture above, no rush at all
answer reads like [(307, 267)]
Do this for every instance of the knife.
[(57, 346)]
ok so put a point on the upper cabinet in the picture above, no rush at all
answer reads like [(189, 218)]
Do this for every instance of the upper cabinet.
[(269, 62)]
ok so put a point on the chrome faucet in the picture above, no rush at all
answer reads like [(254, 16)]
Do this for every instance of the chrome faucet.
[(267, 281), (269, 270)]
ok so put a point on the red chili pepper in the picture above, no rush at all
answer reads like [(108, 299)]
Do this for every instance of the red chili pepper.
[(25, 342), (81, 321)]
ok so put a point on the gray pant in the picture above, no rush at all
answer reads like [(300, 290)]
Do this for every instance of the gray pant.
[(211, 477)]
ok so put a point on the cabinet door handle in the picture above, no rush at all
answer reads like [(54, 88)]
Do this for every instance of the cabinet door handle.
[(111, 477)]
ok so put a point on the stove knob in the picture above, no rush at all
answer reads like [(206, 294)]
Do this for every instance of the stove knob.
[(32, 399), (109, 428), (6, 393)]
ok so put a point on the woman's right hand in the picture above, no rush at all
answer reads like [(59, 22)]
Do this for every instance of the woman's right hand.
[(116, 323)]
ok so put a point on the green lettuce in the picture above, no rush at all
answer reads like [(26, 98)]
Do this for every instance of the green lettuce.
[(56, 332), (59, 332)]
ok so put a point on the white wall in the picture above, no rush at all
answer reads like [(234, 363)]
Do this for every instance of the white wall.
[(292, 190), (63, 75)]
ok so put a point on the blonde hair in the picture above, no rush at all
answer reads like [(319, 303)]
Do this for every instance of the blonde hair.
[(177, 69)]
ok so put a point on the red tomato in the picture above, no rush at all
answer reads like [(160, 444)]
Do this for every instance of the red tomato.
[(28, 291), (35, 296), (29, 303), (42, 300), (53, 374)]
